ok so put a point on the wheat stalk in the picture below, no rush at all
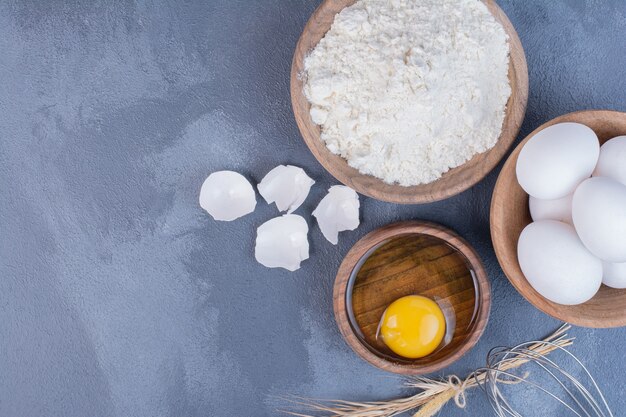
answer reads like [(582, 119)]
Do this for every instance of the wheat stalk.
[(432, 394)]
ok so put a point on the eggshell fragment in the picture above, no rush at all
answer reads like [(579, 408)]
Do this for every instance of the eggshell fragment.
[(282, 242), (612, 161), (557, 264), (614, 274), (338, 211), (599, 214), (555, 160), (287, 186), (227, 195), (559, 209)]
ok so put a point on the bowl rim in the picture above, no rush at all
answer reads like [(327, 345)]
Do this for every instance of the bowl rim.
[(356, 253), (510, 264), (452, 182)]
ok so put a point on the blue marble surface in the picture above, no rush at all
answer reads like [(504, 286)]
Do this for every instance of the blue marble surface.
[(120, 297)]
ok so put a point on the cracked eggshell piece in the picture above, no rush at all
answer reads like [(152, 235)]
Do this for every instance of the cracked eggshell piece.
[(227, 195), (338, 211), (282, 242), (287, 186)]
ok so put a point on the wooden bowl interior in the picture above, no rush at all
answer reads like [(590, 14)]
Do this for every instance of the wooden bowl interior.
[(411, 259), (452, 182), (510, 214)]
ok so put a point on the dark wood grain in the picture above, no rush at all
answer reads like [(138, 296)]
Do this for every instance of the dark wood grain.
[(510, 214), (452, 182), (411, 258)]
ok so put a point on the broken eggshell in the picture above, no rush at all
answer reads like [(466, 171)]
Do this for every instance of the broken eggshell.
[(227, 195), (282, 242), (287, 186), (338, 211)]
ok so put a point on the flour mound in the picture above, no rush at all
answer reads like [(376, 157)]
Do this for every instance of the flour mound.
[(404, 90)]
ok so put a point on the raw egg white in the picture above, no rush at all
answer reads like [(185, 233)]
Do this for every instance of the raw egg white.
[(557, 159), (599, 214), (614, 274), (559, 209), (557, 264), (612, 161)]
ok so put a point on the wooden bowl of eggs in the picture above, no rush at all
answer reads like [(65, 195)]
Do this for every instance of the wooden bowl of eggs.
[(411, 298), (464, 175), (564, 246)]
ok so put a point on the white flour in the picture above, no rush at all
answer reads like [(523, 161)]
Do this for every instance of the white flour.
[(407, 89)]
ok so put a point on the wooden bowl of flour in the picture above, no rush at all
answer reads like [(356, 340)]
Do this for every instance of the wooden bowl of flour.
[(452, 182)]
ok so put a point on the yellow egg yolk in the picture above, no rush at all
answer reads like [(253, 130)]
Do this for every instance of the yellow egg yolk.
[(413, 326)]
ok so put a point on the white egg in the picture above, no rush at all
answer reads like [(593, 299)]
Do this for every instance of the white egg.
[(612, 161), (559, 209), (599, 214), (227, 195), (557, 264), (614, 274), (557, 159)]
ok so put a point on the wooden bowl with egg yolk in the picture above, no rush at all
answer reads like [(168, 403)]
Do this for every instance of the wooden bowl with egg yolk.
[(411, 258), (510, 215), (452, 182)]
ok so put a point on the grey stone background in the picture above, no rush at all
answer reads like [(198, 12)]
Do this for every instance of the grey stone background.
[(120, 297)]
